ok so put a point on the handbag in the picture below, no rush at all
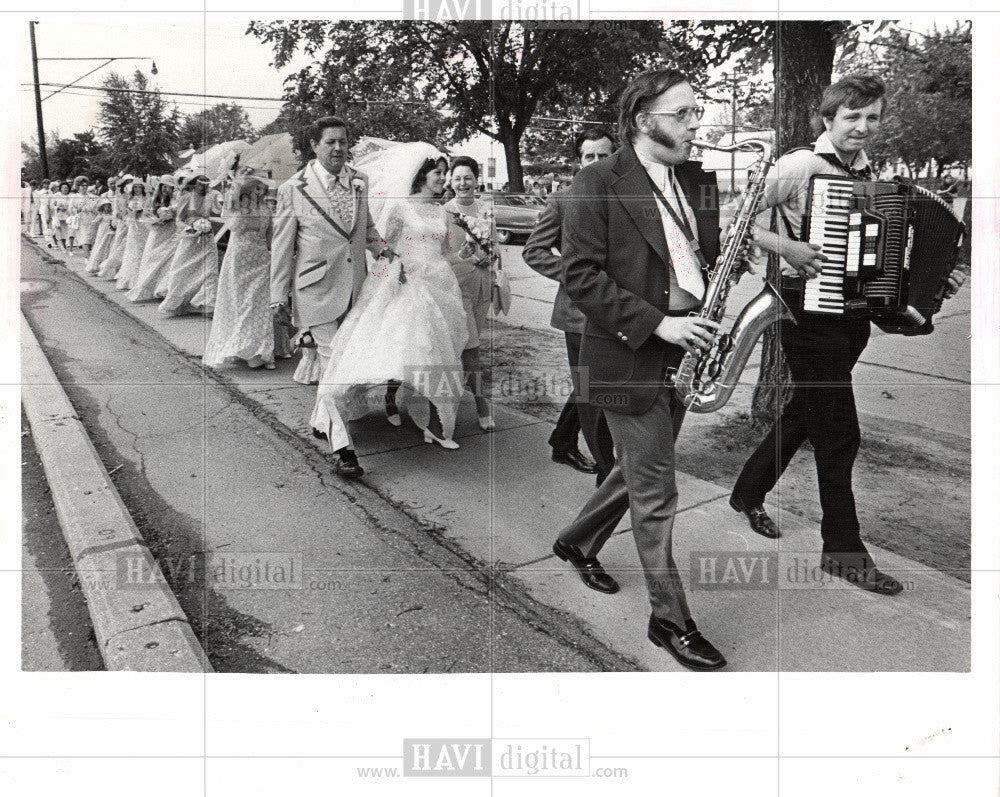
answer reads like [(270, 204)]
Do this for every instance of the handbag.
[(500, 292)]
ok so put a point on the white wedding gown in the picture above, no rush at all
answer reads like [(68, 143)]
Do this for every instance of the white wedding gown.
[(412, 332)]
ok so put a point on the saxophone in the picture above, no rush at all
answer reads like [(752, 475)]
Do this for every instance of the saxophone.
[(705, 381)]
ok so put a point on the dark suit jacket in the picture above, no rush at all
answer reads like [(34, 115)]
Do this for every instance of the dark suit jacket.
[(615, 262), (538, 254)]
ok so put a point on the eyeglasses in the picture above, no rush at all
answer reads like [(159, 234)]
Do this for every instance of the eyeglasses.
[(682, 114)]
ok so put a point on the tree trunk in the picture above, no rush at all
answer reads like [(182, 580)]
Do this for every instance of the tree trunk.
[(512, 151), (803, 63)]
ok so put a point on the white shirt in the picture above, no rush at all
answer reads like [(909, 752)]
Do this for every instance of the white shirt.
[(685, 267)]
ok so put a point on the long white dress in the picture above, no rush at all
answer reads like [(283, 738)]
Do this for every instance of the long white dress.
[(156, 256), (102, 244), (412, 332), (193, 274), (135, 242), (241, 325), (109, 266)]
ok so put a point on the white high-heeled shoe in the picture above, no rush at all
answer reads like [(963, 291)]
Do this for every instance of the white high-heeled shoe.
[(430, 437), (486, 423)]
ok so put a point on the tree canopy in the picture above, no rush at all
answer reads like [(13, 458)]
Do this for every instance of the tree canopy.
[(138, 125), (221, 122), (484, 77)]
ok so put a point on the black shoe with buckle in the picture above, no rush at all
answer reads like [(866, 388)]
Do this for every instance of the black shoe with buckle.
[(689, 647), (347, 464), (576, 460), (861, 572), (591, 572), (760, 521)]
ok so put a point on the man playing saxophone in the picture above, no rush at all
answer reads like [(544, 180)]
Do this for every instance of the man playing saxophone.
[(638, 229), (821, 350)]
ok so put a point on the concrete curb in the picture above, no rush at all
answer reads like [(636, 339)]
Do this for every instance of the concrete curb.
[(139, 626)]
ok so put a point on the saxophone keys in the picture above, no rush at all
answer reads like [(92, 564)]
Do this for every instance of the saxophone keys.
[(724, 343), (713, 369)]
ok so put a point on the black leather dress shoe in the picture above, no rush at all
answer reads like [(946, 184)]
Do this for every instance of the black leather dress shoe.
[(347, 464), (760, 521), (575, 460), (689, 647), (862, 574), (590, 570)]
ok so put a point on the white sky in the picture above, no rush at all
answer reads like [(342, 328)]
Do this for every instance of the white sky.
[(191, 54)]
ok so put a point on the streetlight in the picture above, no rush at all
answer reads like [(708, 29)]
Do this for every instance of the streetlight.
[(39, 99)]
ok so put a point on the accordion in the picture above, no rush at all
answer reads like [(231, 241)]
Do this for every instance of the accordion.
[(891, 247)]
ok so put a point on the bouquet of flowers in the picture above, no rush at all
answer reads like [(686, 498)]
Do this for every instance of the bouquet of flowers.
[(479, 232), (165, 213), (198, 226)]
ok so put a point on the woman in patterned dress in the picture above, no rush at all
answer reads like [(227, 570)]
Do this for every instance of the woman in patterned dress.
[(242, 327), (472, 268), (86, 214)]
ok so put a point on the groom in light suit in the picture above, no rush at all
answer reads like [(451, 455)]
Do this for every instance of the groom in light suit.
[(322, 228)]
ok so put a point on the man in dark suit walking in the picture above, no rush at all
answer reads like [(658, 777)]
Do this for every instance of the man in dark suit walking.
[(543, 253), (637, 235)]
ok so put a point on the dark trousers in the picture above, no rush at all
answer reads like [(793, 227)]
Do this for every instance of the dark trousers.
[(821, 355), (577, 416), (643, 477)]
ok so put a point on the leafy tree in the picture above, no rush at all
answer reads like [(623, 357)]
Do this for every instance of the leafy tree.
[(70, 157), (929, 96), (487, 77), (138, 125), (221, 122)]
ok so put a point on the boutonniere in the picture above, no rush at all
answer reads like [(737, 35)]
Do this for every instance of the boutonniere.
[(357, 183)]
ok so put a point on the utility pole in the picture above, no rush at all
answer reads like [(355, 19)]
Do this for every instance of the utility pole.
[(38, 103)]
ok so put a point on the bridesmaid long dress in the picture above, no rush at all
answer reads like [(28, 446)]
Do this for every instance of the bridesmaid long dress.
[(156, 256), (193, 274), (108, 269), (241, 326), (135, 242), (102, 244)]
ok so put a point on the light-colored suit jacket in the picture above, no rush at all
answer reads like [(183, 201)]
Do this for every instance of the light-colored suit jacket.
[(314, 257)]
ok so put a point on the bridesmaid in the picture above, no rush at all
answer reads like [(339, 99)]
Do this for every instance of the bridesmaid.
[(161, 243), (135, 238), (109, 267), (105, 232), (193, 274), (87, 218), (242, 327), (60, 207), (472, 268)]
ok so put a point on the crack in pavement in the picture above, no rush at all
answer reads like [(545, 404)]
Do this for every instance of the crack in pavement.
[(134, 435)]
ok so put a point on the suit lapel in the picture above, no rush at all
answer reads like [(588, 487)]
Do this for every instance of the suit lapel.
[(632, 188), (314, 194)]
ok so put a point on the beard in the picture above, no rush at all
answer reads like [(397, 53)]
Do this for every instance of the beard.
[(667, 140)]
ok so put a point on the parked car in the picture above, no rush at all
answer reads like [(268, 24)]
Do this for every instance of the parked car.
[(516, 214)]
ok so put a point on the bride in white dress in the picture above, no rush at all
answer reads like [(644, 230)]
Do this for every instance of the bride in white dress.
[(408, 328)]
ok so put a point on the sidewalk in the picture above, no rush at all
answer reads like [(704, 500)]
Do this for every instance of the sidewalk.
[(501, 500)]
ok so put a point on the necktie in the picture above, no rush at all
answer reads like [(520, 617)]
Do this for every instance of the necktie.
[(686, 267)]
